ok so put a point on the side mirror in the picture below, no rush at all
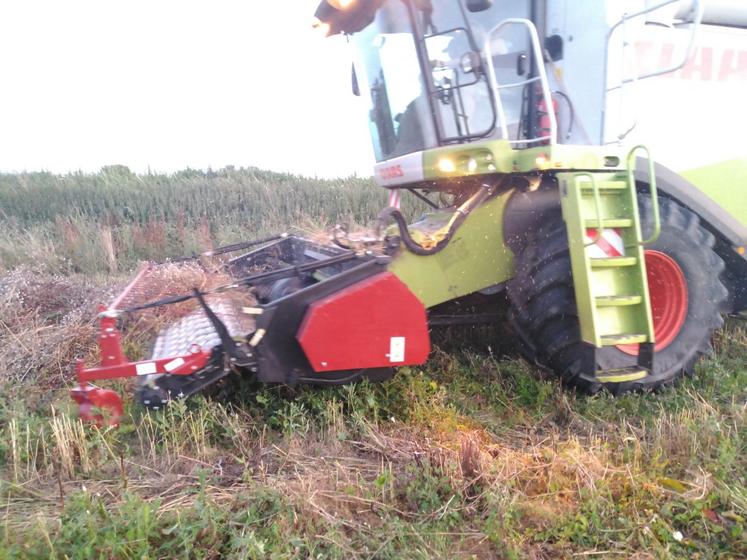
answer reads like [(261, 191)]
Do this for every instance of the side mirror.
[(475, 6), (354, 82)]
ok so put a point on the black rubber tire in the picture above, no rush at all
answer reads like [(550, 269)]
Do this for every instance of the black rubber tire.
[(543, 307)]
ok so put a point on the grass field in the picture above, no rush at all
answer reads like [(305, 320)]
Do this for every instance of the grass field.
[(474, 455)]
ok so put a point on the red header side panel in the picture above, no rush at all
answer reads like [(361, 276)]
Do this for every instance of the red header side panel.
[(376, 323)]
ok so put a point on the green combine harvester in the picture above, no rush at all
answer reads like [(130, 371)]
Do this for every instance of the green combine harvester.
[(525, 126)]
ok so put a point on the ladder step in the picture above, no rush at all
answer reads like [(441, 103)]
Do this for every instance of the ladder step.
[(613, 262), (616, 339), (621, 375), (611, 223), (587, 189), (617, 301), (609, 280)]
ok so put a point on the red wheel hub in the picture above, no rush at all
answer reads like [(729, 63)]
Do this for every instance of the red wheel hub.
[(668, 291)]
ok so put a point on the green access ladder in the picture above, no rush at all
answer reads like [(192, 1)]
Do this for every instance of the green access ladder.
[(609, 272)]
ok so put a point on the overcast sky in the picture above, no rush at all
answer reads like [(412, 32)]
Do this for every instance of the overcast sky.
[(169, 84)]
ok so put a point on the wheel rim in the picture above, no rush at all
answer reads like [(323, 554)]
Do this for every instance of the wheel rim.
[(668, 291)]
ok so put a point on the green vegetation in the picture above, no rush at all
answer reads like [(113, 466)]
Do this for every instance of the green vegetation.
[(474, 455), (109, 221)]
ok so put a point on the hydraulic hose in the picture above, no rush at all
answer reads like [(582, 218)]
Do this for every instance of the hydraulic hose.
[(456, 220)]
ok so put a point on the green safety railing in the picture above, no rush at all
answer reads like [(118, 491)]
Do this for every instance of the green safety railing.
[(652, 188), (597, 205)]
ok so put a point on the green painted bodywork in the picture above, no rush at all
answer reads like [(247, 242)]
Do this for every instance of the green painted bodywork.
[(725, 183), (612, 294), (497, 156), (477, 256)]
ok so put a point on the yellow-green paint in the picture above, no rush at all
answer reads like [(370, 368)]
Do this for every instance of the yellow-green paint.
[(622, 375), (497, 156), (612, 301), (724, 182), (476, 258)]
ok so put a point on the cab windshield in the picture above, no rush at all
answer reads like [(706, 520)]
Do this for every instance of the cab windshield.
[(421, 68), (389, 75)]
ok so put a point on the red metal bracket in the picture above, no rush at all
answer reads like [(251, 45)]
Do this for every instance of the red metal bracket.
[(178, 365), (100, 406), (114, 365)]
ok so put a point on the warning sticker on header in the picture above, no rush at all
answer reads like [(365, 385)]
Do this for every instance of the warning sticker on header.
[(397, 349)]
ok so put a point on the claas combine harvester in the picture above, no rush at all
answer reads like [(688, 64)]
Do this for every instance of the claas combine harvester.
[(523, 126)]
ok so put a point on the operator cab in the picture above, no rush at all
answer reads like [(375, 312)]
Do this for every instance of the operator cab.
[(430, 70), (563, 82)]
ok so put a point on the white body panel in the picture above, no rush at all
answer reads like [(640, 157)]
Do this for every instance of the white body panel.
[(689, 118), (717, 12), (400, 171)]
